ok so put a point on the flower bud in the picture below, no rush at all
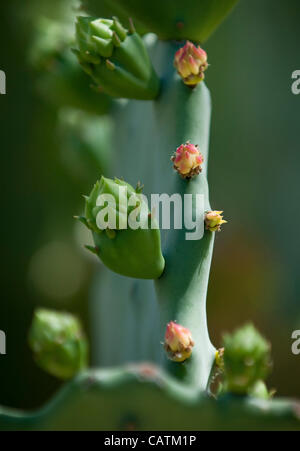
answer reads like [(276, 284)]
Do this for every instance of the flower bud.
[(115, 58), (126, 237), (246, 359), (260, 390), (191, 62), (58, 343), (178, 342), (214, 220), (187, 160)]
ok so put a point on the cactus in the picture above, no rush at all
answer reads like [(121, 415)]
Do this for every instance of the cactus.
[(110, 399), (163, 320)]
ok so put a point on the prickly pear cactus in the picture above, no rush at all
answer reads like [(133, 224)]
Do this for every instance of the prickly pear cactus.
[(148, 300)]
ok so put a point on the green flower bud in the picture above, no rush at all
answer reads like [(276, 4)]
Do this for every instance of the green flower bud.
[(176, 19), (59, 78), (127, 238), (58, 343), (246, 359), (115, 58), (260, 390)]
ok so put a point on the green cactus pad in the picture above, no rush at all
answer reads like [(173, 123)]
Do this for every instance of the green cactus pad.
[(106, 8), (179, 114), (58, 343), (176, 19)]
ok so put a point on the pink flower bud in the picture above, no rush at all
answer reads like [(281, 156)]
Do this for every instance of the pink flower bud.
[(214, 220), (191, 62), (187, 160), (178, 342)]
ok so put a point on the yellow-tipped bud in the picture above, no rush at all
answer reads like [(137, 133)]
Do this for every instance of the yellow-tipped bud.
[(214, 220)]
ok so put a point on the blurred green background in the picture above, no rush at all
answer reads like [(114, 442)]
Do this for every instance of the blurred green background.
[(49, 159)]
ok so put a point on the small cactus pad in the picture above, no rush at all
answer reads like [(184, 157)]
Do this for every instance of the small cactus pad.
[(115, 58)]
